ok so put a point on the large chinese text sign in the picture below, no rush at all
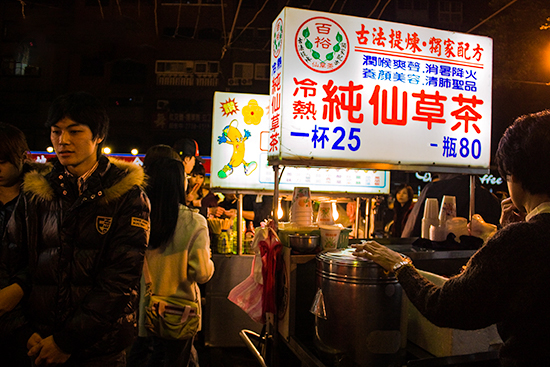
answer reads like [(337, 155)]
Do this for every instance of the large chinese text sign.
[(356, 92)]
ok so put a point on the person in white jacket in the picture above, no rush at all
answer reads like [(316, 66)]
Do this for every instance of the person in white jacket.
[(178, 255)]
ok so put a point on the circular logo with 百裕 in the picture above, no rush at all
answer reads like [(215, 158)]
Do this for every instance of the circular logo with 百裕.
[(277, 38), (322, 45)]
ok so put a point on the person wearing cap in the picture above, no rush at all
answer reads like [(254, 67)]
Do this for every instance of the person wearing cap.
[(188, 149)]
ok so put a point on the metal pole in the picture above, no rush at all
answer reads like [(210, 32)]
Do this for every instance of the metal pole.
[(357, 217), (472, 197), (367, 218), (276, 197), (239, 225)]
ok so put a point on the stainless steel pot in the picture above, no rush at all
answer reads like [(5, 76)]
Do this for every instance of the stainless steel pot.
[(303, 243), (358, 311)]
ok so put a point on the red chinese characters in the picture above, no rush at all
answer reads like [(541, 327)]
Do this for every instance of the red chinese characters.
[(388, 107), (396, 40), (275, 108), (429, 108), (466, 112)]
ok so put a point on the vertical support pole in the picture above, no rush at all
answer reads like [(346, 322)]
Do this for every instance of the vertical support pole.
[(357, 217), (239, 226), (367, 217), (472, 197), (276, 197)]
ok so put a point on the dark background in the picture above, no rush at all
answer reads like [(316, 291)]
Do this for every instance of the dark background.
[(117, 49)]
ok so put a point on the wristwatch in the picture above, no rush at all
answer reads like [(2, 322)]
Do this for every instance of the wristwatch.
[(400, 264)]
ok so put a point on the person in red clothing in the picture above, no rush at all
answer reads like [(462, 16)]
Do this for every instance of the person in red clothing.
[(506, 281)]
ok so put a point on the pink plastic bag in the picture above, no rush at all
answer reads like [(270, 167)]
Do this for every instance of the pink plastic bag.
[(248, 295)]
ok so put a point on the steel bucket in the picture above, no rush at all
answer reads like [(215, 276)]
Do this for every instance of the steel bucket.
[(359, 319)]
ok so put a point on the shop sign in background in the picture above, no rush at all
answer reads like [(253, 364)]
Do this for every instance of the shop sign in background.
[(240, 144), (363, 92)]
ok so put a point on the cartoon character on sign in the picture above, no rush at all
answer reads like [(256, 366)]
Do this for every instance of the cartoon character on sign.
[(231, 135)]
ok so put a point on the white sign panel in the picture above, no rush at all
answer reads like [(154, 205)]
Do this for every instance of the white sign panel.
[(240, 145), (349, 91)]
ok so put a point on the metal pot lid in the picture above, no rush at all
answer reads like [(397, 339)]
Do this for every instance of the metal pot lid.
[(344, 256), (342, 266)]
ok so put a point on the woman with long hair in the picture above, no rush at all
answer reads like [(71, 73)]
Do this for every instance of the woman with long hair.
[(402, 208), (198, 196), (178, 256)]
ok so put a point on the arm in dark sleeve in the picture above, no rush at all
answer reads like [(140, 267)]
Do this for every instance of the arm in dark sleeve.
[(482, 294), (15, 245)]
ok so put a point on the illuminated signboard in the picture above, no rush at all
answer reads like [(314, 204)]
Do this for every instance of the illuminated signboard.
[(357, 92), (240, 144)]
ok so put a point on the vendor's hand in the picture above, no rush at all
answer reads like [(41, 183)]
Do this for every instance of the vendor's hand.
[(10, 297), (510, 213), (479, 228), (378, 253), (47, 353)]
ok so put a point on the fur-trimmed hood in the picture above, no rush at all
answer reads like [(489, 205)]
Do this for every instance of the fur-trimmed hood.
[(38, 184)]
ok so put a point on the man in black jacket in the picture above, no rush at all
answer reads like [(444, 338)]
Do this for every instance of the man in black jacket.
[(87, 228)]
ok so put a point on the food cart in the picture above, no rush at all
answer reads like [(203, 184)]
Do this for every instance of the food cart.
[(239, 165), (363, 93)]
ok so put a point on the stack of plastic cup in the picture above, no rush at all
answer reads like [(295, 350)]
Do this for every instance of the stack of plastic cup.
[(431, 217), (301, 209)]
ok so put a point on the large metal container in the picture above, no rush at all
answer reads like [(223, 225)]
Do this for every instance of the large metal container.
[(358, 311)]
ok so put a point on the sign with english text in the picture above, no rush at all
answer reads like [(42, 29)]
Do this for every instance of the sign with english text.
[(357, 92), (240, 146)]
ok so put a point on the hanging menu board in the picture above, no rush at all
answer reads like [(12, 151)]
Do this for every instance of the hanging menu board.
[(358, 92), (240, 146)]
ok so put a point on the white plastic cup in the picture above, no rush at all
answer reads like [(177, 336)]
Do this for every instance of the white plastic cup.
[(438, 233), (426, 224), (301, 196), (330, 236), (431, 208), (431, 217), (324, 216), (448, 209)]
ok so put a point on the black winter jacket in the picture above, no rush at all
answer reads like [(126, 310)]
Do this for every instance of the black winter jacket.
[(13, 255), (86, 256)]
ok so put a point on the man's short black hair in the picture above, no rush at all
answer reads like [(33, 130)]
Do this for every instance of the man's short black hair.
[(82, 108), (524, 151)]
